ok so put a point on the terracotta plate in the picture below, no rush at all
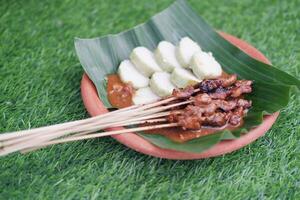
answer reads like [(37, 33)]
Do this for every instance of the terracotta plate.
[(95, 107)]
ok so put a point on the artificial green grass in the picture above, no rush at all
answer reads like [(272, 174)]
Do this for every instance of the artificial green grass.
[(39, 85)]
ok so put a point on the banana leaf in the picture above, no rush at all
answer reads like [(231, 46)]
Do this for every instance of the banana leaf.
[(272, 87)]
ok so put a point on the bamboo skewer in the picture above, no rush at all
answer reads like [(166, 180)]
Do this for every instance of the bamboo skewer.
[(4, 136), (33, 139), (29, 139), (102, 134), (19, 134), (21, 146), (94, 126), (96, 135), (62, 125), (87, 132), (86, 128)]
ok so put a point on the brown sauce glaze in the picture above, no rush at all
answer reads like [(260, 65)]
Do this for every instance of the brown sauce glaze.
[(181, 136), (119, 94)]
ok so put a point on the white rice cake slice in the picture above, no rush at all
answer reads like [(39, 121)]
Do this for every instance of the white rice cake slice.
[(144, 96), (185, 50), (165, 56), (144, 61), (129, 74), (183, 78), (205, 66), (161, 84)]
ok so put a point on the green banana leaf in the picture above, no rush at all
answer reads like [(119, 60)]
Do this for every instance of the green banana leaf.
[(101, 56)]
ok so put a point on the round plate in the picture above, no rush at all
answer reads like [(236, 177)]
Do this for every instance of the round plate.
[(95, 107)]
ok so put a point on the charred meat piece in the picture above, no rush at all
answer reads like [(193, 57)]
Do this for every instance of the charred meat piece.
[(209, 85), (226, 105), (244, 103), (216, 119), (183, 93), (191, 122), (235, 119), (229, 80), (241, 87), (173, 116), (206, 109), (220, 93), (243, 83), (201, 99)]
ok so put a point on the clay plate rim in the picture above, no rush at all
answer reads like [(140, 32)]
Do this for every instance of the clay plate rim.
[(95, 107)]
